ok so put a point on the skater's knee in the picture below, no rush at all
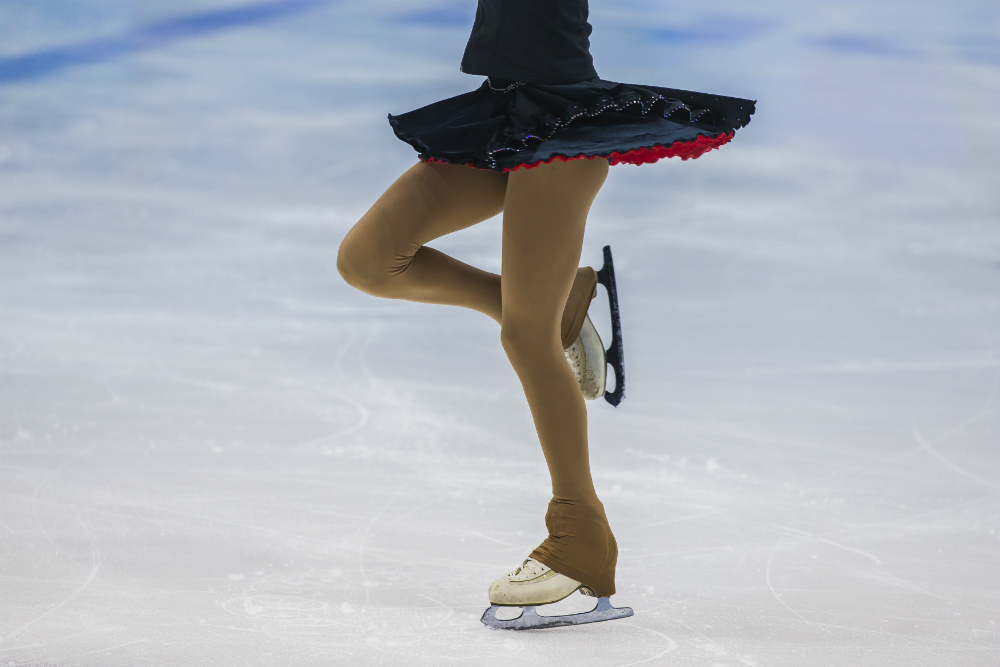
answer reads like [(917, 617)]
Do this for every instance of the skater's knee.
[(360, 265), (375, 253), (525, 341)]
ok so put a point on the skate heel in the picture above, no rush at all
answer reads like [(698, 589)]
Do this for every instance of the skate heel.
[(616, 353)]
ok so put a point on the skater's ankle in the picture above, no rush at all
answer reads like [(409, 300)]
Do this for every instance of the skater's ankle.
[(579, 499)]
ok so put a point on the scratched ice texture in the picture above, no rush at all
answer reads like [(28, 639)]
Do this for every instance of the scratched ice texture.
[(214, 452)]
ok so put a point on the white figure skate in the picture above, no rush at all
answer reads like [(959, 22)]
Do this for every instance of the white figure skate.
[(532, 584), (587, 356)]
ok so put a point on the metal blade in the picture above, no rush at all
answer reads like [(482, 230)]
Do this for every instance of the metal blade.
[(529, 619), (615, 353)]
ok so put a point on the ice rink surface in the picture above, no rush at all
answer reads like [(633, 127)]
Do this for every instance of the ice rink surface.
[(214, 452)]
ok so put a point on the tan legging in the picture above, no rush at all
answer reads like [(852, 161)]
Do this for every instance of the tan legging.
[(539, 300)]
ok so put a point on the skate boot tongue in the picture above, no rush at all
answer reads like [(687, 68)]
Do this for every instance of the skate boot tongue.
[(529, 569)]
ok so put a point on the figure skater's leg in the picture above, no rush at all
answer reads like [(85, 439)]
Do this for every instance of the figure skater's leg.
[(384, 253), (545, 213)]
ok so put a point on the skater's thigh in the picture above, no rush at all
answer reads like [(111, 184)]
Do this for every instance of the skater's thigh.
[(431, 200), (545, 215)]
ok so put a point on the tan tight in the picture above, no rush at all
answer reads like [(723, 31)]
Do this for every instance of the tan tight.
[(539, 300)]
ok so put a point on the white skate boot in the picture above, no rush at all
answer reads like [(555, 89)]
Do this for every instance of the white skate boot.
[(532, 584), (587, 359)]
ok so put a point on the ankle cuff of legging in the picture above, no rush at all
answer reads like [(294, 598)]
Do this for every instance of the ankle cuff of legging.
[(601, 583)]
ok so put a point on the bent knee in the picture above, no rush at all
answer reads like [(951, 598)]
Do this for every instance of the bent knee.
[(360, 266), (368, 261)]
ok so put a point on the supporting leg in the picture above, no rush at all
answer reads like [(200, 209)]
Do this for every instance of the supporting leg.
[(545, 215)]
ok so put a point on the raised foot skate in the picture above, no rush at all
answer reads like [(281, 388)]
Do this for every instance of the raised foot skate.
[(587, 356), (529, 619)]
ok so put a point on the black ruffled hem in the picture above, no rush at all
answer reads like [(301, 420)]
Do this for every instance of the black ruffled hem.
[(508, 125)]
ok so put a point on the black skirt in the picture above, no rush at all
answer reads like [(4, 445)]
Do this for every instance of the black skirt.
[(505, 125)]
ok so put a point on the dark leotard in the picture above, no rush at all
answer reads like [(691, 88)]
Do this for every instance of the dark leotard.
[(533, 41)]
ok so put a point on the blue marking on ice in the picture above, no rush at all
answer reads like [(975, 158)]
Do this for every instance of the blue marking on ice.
[(454, 15), (42, 63), (867, 46), (983, 49), (713, 30)]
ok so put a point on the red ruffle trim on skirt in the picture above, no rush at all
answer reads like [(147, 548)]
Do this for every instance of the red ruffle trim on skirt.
[(685, 150)]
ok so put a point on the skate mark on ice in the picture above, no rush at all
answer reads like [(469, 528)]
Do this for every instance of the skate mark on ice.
[(856, 368), (405, 515), (364, 412), (948, 463), (455, 648), (687, 517), (285, 607), (680, 601), (338, 364), (364, 539), (309, 631), (256, 605), (94, 566), (492, 539), (180, 620), (715, 430), (363, 415), (363, 352), (910, 519), (94, 652), (311, 583), (826, 540), (238, 524), (771, 529), (671, 645), (52, 610), (767, 574), (111, 585), (716, 647), (909, 585), (450, 610), (983, 410)]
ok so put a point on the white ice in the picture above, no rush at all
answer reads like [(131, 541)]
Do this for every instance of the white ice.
[(214, 452)]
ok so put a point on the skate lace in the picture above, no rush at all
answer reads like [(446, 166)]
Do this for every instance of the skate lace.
[(528, 565)]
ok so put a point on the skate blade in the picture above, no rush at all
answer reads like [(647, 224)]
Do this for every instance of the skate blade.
[(529, 619), (616, 353)]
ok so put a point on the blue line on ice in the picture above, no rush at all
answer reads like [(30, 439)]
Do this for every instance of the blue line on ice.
[(454, 15), (866, 46), (38, 64), (714, 30)]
